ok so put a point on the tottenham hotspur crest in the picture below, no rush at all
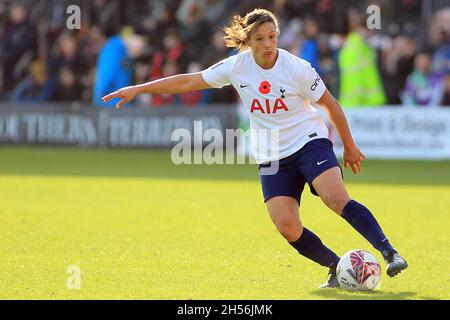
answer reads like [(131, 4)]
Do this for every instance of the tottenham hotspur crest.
[(282, 90)]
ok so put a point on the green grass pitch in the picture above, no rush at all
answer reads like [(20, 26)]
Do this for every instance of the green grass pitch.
[(139, 227)]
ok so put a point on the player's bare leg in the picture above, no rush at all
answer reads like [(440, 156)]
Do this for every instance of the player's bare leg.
[(331, 189), (283, 211), (284, 214)]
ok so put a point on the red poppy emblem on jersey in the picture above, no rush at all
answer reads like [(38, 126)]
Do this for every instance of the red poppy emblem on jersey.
[(264, 87)]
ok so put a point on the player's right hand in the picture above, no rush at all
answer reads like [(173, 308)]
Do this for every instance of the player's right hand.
[(125, 95), (353, 158)]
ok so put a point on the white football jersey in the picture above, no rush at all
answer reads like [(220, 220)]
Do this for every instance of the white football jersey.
[(278, 100)]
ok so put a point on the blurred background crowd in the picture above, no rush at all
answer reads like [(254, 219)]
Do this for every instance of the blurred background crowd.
[(120, 43)]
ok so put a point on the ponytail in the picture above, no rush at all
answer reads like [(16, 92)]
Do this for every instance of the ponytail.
[(235, 34), (240, 28)]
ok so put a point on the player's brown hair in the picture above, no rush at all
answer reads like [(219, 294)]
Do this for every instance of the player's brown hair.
[(241, 28)]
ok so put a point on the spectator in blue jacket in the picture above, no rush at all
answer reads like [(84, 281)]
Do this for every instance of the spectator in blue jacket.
[(310, 49), (36, 87), (115, 66)]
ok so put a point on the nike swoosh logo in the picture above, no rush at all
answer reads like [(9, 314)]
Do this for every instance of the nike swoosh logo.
[(243, 86), (319, 163)]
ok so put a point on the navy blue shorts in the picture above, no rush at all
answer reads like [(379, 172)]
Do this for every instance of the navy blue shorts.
[(299, 168)]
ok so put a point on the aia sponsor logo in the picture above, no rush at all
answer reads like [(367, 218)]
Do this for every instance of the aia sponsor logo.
[(268, 109)]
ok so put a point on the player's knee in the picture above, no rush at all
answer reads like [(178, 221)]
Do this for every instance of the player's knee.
[(290, 229), (336, 201)]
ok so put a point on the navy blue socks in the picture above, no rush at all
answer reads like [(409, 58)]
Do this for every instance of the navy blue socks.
[(363, 221), (310, 246)]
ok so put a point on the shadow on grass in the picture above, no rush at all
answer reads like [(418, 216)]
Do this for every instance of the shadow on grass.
[(341, 294), (146, 163)]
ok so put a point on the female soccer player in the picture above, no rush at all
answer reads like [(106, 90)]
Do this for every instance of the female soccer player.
[(276, 88)]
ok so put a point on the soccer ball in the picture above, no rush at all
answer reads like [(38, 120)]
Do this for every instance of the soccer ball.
[(358, 270)]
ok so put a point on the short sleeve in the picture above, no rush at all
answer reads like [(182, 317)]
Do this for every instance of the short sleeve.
[(311, 84), (218, 75)]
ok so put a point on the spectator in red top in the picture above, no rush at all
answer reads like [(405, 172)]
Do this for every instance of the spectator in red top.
[(192, 98), (172, 60)]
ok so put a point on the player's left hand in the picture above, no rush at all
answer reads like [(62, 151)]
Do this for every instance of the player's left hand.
[(352, 158), (125, 95)]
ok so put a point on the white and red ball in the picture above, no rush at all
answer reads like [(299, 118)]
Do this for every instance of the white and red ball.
[(358, 270)]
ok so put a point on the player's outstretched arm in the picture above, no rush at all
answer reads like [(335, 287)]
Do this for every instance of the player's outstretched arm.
[(170, 85), (352, 155)]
